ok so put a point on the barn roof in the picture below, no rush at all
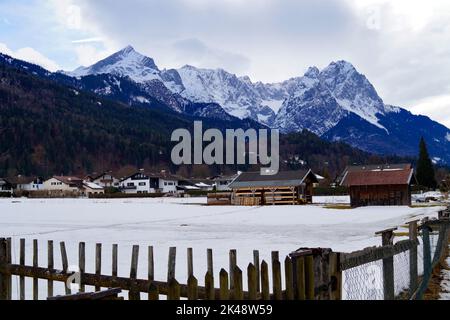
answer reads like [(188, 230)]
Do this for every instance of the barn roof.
[(378, 177), (371, 167), (281, 179), (22, 180)]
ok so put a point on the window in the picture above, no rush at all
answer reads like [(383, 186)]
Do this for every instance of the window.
[(130, 184), (142, 184)]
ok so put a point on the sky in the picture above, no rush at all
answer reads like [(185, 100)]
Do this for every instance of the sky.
[(402, 46)]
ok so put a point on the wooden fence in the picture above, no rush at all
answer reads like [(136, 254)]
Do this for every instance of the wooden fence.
[(299, 275), (308, 274)]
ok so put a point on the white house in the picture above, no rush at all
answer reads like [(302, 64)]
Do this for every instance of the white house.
[(63, 184), (22, 183), (5, 186), (106, 180), (168, 184), (92, 188), (138, 183)]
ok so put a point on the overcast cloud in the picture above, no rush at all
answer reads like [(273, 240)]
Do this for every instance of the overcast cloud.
[(402, 46)]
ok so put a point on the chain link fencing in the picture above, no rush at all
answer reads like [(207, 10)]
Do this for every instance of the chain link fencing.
[(364, 276)]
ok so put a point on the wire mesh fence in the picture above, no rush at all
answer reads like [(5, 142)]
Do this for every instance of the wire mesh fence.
[(387, 272), (364, 282), (401, 273)]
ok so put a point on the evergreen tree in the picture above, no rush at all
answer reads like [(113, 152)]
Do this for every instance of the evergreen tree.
[(425, 170)]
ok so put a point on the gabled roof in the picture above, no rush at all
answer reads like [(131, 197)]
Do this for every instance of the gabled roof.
[(148, 175), (96, 176), (92, 185), (4, 182), (23, 180), (378, 177), (69, 180), (281, 179), (372, 167)]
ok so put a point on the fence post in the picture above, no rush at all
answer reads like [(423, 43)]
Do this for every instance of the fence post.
[(252, 280), (98, 262), (134, 293), (426, 250), (336, 276), (35, 264), (233, 264), (4, 294), (387, 237), (192, 288), (82, 263), (9, 261), (276, 276), (171, 263), (209, 286), (257, 268), (413, 266), (65, 263), (289, 279), (303, 275), (224, 285), (265, 290), (22, 263)]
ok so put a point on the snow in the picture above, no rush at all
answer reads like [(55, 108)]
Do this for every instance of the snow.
[(183, 223), (127, 63), (141, 99), (331, 200), (92, 185), (275, 105)]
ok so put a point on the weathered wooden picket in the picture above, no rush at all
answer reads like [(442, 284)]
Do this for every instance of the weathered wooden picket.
[(299, 281)]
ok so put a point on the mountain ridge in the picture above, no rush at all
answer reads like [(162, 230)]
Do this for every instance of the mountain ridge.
[(337, 103)]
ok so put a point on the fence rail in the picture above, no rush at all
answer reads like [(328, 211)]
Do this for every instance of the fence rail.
[(305, 274)]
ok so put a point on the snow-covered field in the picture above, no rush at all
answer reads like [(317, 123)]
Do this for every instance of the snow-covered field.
[(185, 223)]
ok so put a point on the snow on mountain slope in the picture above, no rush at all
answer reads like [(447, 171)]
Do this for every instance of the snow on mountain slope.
[(333, 92), (126, 62), (236, 95), (353, 91)]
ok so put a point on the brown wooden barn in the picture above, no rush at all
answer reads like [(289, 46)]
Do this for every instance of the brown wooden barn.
[(288, 188), (379, 185)]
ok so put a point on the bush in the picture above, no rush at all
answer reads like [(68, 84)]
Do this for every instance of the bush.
[(5, 195), (198, 193), (112, 190), (120, 195)]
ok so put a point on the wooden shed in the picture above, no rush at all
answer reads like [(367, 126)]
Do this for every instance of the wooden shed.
[(379, 185), (284, 188)]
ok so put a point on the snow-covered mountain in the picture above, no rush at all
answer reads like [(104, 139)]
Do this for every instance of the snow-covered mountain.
[(320, 99), (238, 96), (336, 103)]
